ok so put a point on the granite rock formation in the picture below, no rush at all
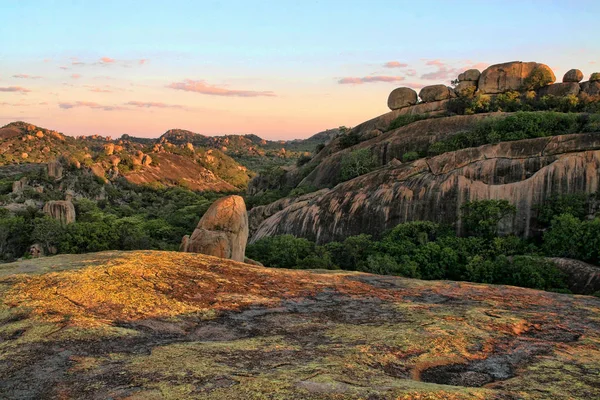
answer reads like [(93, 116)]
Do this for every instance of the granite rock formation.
[(222, 230), (525, 172), (61, 210)]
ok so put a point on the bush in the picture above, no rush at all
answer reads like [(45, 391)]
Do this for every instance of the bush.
[(573, 238), (285, 251), (577, 205), (302, 160), (349, 139), (406, 119), (595, 76), (410, 156), (521, 125), (356, 163), (482, 217), (538, 78)]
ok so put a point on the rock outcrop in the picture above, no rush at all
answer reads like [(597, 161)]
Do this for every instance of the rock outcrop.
[(55, 169), (504, 77), (560, 89), (222, 230), (18, 186), (436, 93), (591, 88), (573, 75), (402, 97), (61, 210), (582, 277), (525, 172)]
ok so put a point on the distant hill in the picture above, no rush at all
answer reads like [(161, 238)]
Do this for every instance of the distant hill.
[(177, 157)]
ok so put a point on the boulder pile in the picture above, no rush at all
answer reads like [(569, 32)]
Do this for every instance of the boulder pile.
[(496, 79)]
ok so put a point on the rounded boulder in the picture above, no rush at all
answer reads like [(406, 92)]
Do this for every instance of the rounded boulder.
[(573, 75), (402, 97), (435, 93)]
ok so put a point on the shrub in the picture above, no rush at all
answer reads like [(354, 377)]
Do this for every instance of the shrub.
[(595, 76), (576, 204), (573, 238), (481, 218), (538, 78), (349, 139), (302, 160), (319, 148), (410, 156), (285, 251), (356, 163), (406, 119)]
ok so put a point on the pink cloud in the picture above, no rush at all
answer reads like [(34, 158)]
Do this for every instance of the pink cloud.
[(152, 104), (99, 89), (75, 76), (14, 89), (202, 87), (395, 64), (89, 104), (413, 85), (77, 63), (143, 61), (369, 79), (63, 67), (107, 60), (411, 72), (47, 60), (445, 71), (26, 76)]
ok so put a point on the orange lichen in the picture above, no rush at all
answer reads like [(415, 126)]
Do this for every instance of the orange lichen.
[(158, 284)]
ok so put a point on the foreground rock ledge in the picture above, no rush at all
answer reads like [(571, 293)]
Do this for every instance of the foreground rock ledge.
[(169, 325)]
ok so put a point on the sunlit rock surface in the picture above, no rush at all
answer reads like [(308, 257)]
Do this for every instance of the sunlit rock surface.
[(170, 325)]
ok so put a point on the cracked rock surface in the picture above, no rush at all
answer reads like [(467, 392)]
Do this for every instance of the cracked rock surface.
[(169, 325)]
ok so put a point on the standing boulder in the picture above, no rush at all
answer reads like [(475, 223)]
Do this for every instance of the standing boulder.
[(18, 186), (61, 210), (435, 93), (515, 75), (402, 97), (55, 169), (222, 230), (573, 75)]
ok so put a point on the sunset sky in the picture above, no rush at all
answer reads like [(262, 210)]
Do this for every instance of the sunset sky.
[(279, 69)]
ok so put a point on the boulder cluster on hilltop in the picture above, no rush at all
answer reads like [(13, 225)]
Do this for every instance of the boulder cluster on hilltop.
[(494, 80)]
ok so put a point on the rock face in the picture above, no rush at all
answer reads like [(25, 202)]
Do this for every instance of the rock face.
[(509, 76), (470, 75), (435, 93), (18, 186), (526, 173), (318, 335), (591, 88), (582, 277), (560, 89), (222, 230), (402, 97), (61, 210), (55, 169), (573, 75)]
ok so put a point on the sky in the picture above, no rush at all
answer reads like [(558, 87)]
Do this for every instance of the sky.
[(277, 68)]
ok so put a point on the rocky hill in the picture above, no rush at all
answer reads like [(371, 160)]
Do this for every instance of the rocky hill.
[(165, 325), (508, 133), (177, 157)]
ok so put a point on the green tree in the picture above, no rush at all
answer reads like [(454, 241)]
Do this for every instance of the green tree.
[(356, 163), (482, 217)]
